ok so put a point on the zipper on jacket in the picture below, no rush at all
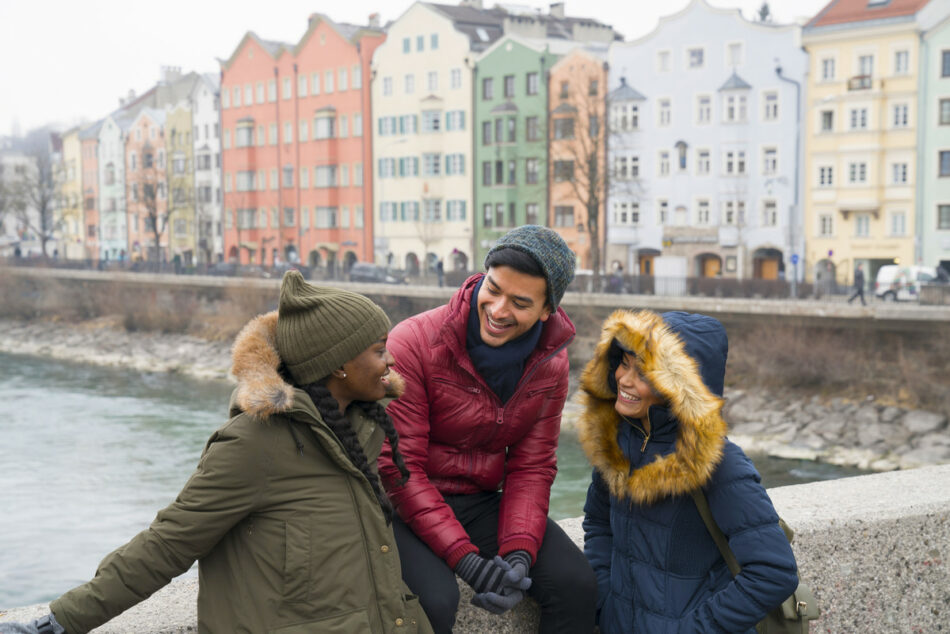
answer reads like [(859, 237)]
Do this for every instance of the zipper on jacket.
[(646, 435)]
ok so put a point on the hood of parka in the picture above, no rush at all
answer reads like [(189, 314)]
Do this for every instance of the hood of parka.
[(664, 345), (261, 390)]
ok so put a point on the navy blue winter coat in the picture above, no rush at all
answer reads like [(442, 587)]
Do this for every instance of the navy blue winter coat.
[(658, 569)]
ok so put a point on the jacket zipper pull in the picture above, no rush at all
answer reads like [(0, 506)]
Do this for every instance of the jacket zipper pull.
[(501, 415), (643, 447)]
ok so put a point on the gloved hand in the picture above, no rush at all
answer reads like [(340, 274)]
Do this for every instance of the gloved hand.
[(44, 625), (498, 603), (517, 578), (484, 575)]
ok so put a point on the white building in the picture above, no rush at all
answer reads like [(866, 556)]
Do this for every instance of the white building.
[(205, 111), (704, 152), (113, 222)]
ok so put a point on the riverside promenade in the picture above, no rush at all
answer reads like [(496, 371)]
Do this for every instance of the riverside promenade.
[(875, 549)]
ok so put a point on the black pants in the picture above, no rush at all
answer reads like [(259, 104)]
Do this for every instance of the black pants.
[(858, 292), (562, 581)]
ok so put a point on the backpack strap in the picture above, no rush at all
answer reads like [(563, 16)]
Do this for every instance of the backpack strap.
[(702, 505)]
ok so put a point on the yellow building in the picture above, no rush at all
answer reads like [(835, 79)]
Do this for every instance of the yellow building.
[(70, 212), (860, 137), (182, 238)]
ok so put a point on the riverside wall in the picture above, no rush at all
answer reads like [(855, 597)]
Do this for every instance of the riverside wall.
[(875, 549)]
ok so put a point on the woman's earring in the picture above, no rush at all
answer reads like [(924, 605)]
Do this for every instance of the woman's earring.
[(344, 375)]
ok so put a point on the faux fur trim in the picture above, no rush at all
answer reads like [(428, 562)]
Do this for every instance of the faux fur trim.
[(674, 374), (261, 390)]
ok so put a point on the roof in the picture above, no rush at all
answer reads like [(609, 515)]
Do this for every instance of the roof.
[(735, 83), (849, 11), (482, 26), (624, 92), (91, 131)]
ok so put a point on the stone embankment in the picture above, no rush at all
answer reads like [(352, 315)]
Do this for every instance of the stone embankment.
[(866, 434)]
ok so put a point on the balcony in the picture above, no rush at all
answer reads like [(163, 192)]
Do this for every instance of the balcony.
[(859, 82)]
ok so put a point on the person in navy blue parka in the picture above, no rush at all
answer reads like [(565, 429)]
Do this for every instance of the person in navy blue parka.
[(652, 427)]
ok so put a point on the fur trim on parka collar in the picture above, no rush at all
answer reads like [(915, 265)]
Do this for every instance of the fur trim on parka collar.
[(675, 375), (261, 390)]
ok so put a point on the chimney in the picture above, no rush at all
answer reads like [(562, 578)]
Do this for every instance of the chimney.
[(374, 20), (557, 9), (131, 96), (474, 4)]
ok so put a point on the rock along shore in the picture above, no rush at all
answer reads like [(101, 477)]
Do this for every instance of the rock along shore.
[(865, 434)]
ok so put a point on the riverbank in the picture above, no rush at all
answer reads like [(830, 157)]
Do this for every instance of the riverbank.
[(868, 433)]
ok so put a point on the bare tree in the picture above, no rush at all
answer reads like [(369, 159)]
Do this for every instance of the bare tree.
[(33, 197), (429, 232)]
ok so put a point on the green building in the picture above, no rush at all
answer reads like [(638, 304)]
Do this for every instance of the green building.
[(510, 171), (933, 220)]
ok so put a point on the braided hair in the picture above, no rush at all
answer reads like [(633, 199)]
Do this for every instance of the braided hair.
[(329, 410)]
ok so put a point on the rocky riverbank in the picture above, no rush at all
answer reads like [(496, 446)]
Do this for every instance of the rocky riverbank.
[(867, 434)]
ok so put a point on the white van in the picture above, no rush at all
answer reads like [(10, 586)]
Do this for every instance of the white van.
[(895, 282)]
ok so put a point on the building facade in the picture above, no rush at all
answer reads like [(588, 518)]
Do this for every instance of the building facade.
[(146, 188), (182, 226), (70, 209), (208, 195), (89, 146), (113, 225), (704, 153), (861, 133)]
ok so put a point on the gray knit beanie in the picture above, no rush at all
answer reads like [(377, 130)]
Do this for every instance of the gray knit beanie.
[(550, 251), (320, 328)]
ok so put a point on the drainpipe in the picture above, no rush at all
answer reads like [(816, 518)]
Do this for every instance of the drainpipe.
[(793, 216)]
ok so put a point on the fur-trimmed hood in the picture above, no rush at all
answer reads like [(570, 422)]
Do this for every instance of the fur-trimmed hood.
[(683, 357), (261, 390)]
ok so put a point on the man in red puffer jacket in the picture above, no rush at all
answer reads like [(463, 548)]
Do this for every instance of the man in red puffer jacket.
[(486, 380)]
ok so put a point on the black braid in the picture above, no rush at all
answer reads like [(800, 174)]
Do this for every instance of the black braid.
[(329, 410), (378, 413)]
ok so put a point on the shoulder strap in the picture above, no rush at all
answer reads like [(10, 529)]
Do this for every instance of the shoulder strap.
[(702, 505)]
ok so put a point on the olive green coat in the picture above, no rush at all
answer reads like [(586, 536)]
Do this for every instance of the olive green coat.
[(288, 533)]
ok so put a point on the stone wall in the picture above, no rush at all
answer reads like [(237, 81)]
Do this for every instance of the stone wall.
[(874, 548)]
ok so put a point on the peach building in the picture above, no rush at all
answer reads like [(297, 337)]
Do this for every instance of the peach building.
[(146, 187)]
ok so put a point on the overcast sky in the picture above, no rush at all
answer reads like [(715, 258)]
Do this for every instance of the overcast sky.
[(69, 61)]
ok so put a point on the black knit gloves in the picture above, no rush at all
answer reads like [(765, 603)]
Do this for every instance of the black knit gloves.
[(499, 584)]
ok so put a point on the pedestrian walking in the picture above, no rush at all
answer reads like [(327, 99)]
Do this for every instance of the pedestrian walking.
[(858, 285)]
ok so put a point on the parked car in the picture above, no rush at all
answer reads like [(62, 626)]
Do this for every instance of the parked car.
[(375, 274), (902, 283)]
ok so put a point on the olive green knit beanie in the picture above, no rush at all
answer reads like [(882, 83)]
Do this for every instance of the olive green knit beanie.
[(321, 328)]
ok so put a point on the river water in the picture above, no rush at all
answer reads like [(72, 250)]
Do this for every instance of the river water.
[(89, 454)]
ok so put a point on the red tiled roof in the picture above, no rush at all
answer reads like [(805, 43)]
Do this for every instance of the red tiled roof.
[(844, 11)]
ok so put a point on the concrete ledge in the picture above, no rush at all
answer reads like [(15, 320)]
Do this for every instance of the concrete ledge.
[(875, 549)]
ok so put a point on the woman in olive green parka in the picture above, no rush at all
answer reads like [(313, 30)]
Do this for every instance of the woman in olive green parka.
[(284, 513)]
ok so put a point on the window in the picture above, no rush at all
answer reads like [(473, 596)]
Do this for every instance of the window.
[(289, 217), (225, 98), (358, 124), (900, 115), (827, 120), (512, 177), (431, 120), (899, 173), (455, 78), (531, 213), (859, 118), (564, 128), (664, 164), (406, 45), (486, 173), (592, 88), (248, 94), (945, 112), (735, 109), (488, 88), (357, 174), (486, 133), (499, 130), (944, 65), (303, 131), (664, 110), (564, 171), (304, 177), (620, 167), (260, 92), (695, 57), (857, 172), (826, 176), (734, 54), (563, 216), (344, 176), (943, 217), (324, 127), (828, 69), (455, 210), (944, 163), (244, 181), (702, 212), (898, 225), (625, 116), (487, 213), (325, 176), (433, 210), (531, 171), (509, 86), (532, 131), (325, 217), (454, 164), (703, 109), (729, 212), (769, 161), (702, 162), (343, 76), (315, 84), (420, 43), (454, 120), (387, 86), (531, 84), (862, 225), (409, 84), (288, 89), (499, 214), (664, 211), (328, 81), (357, 77), (434, 41), (769, 213), (901, 62), (663, 61), (243, 136), (771, 106), (866, 65), (634, 166), (431, 164), (565, 90)]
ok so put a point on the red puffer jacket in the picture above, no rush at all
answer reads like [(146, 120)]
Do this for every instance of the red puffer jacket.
[(457, 437)]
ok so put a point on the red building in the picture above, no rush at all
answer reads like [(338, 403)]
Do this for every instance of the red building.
[(296, 147)]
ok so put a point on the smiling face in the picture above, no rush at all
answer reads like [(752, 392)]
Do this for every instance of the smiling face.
[(365, 375), (634, 394), (509, 304)]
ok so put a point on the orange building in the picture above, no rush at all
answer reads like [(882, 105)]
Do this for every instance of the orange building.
[(296, 148), (577, 155), (146, 186)]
